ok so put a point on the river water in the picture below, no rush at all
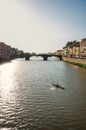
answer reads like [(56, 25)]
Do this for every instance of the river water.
[(28, 101)]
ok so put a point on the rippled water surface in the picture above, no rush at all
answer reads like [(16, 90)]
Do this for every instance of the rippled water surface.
[(28, 101)]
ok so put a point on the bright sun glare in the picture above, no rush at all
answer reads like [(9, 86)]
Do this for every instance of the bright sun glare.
[(6, 82)]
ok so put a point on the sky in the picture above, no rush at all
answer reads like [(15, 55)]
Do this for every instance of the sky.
[(42, 25)]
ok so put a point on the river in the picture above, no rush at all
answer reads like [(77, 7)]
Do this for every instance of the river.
[(28, 101)]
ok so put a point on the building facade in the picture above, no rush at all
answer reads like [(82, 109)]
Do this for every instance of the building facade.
[(76, 49), (83, 48), (59, 52), (5, 51), (72, 49)]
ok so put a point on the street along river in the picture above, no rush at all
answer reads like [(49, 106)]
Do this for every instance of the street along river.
[(28, 101)]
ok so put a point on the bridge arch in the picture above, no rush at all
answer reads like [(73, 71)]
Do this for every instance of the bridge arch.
[(45, 56)]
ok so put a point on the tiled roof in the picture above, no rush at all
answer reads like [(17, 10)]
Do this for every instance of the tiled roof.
[(72, 44)]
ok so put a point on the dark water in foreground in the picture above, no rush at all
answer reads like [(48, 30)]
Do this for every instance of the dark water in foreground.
[(28, 101)]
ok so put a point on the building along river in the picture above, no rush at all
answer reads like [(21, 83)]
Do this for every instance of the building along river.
[(28, 101)]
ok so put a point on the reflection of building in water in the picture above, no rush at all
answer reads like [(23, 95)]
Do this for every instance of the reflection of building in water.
[(83, 48), (5, 51)]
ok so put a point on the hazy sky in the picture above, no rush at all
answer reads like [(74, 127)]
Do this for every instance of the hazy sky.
[(42, 25)]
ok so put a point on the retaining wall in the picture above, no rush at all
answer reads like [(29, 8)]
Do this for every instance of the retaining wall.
[(75, 60)]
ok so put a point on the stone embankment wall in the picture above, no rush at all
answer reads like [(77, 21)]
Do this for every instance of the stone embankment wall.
[(77, 61)]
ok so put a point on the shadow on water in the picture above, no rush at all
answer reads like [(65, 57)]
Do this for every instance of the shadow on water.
[(4, 62)]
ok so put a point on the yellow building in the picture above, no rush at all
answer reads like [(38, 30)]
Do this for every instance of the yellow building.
[(69, 49), (76, 49), (83, 48), (72, 49), (59, 52)]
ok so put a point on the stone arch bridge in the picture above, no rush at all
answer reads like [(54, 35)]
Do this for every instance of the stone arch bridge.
[(45, 56)]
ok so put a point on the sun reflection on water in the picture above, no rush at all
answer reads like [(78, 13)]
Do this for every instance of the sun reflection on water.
[(7, 77)]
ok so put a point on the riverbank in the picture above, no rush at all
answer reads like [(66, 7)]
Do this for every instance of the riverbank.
[(76, 61), (5, 61)]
